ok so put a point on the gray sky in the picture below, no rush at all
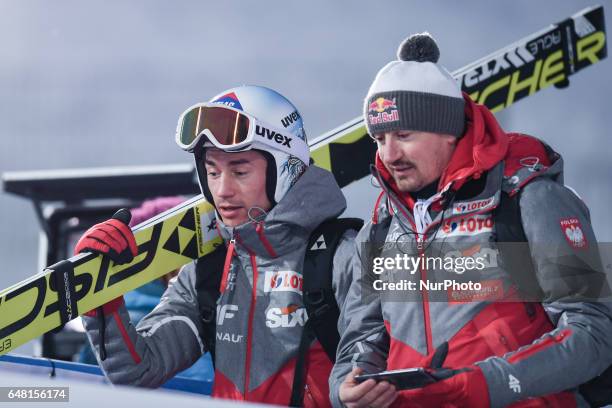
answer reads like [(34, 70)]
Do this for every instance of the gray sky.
[(88, 84)]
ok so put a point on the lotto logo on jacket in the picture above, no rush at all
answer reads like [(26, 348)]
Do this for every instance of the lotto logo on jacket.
[(475, 224), (290, 316), (469, 206), (283, 281)]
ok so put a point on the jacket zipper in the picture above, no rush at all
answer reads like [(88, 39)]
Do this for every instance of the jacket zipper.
[(420, 240), (227, 264), (247, 364), (425, 294), (426, 313), (308, 394), (421, 252)]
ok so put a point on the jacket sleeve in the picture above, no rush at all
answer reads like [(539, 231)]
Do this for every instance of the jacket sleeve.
[(364, 341), (568, 270), (165, 341), (342, 274)]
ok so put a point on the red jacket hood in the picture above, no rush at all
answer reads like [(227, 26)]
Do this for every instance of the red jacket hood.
[(482, 146)]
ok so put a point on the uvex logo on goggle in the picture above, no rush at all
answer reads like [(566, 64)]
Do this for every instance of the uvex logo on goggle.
[(272, 135)]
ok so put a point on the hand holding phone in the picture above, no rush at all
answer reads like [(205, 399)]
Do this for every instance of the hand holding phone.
[(404, 379)]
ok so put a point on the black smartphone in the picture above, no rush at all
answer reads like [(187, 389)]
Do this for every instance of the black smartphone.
[(404, 379)]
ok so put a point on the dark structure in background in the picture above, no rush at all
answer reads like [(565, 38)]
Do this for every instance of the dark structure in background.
[(67, 202)]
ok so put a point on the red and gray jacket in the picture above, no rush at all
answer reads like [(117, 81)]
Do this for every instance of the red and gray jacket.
[(260, 313), (531, 353)]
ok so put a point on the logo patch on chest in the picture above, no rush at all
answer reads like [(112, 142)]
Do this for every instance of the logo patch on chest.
[(470, 225), (290, 316), (469, 206), (283, 281)]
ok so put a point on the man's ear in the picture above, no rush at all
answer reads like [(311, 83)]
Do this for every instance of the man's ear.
[(451, 140)]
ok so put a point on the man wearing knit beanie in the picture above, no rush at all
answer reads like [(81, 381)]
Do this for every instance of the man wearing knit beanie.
[(454, 183)]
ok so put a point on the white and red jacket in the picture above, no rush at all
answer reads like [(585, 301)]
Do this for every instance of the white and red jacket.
[(260, 313), (532, 354)]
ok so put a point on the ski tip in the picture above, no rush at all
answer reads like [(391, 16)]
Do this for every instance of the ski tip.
[(124, 215)]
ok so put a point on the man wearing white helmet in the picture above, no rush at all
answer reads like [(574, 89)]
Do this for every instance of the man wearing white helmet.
[(253, 164)]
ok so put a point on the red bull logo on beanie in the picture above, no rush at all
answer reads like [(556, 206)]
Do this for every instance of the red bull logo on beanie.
[(382, 110), (229, 99), (381, 105)]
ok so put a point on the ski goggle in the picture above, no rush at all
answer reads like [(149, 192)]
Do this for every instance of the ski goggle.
[(232, 130)]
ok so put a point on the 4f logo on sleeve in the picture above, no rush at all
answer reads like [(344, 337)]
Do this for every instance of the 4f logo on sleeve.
[(572, 230), (514, 384)]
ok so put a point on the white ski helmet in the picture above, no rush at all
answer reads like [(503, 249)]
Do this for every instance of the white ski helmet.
[(265, 120)]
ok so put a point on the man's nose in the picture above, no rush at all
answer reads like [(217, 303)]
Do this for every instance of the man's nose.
[(390, 149), (225, 187)]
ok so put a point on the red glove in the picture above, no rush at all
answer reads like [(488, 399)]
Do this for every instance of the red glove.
[(464, 387), (112, 238), (107, 308)]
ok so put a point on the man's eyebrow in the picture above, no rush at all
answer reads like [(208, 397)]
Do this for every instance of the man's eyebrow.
[(239, 161)]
